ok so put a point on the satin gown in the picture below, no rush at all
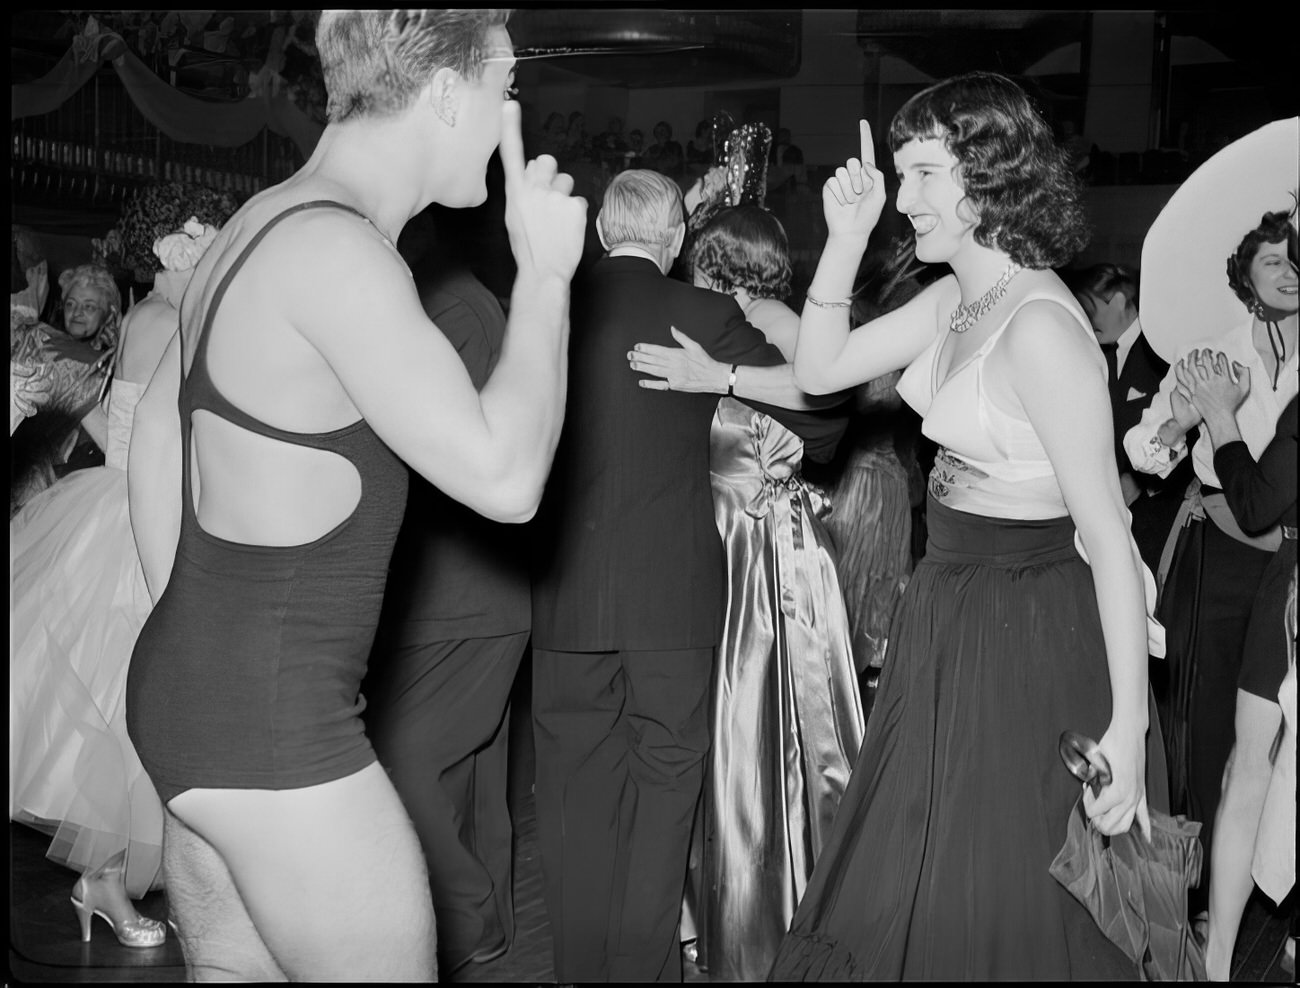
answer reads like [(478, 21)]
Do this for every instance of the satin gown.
[(78, 602), (787, 717)]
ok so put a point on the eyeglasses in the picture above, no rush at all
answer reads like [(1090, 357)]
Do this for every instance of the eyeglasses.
[(72, 307)]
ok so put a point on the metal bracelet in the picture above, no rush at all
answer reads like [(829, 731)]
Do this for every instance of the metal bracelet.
[(829, 305)]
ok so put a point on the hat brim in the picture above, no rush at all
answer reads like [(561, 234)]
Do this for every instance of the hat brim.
[(1185, 295)]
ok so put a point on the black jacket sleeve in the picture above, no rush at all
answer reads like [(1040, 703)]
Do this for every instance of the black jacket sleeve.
[(1262, 494)]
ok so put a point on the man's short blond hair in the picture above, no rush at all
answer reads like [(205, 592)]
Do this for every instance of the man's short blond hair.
[(640, 207), (376, 61)]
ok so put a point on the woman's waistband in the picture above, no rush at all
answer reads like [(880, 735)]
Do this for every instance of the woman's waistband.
[(961, 537)]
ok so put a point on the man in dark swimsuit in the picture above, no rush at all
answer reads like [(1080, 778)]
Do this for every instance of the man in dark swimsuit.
[(288, 853)]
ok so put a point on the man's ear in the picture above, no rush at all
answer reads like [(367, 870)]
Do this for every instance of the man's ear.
[(679, 237), (600, 229), (444, 94)]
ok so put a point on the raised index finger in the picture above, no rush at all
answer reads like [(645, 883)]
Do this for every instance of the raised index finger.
[(868, 154), (512, 142)]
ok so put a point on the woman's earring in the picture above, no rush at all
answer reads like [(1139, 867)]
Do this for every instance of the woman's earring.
[(1257, 307)]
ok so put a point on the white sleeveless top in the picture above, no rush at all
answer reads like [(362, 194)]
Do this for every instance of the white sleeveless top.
[(990, 460), (123, 396)]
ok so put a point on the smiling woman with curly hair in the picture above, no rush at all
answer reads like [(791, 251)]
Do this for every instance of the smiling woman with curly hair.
[(1026, 615), (1016, 178)]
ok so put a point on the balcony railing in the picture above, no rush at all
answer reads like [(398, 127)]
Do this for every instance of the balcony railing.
[(98, 146)]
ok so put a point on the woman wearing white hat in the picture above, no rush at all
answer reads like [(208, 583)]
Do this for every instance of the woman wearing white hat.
[(1210, 593)]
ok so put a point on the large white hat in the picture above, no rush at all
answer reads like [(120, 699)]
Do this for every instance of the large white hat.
[(1185, 294)]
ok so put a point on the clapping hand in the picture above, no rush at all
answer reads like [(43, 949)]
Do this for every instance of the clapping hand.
[(854, 196), (1212, 383), (546, 222)]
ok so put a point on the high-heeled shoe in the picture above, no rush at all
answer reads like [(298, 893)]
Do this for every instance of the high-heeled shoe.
[(138, 932)]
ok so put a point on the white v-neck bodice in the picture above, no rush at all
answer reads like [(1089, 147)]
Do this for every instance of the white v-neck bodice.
[(990, 460)]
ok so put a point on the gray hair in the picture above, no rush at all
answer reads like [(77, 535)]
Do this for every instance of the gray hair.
[(100, 280), (640, 207)]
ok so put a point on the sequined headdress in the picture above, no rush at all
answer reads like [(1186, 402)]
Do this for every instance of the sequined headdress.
[(742, 155), (745, 160)]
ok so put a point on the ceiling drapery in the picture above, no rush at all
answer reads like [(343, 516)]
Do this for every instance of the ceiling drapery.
[(180, 116)]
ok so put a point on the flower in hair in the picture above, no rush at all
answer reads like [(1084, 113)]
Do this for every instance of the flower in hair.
[(181, 251)]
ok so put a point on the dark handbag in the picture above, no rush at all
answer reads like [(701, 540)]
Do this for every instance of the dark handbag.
[(1134, 889)]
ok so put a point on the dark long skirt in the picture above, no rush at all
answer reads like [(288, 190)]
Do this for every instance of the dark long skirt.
[(937, 866)]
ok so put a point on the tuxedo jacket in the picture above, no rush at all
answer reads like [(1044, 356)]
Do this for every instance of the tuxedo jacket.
[(455, 574), (1131, 392), (1155, 511), (627, 555)]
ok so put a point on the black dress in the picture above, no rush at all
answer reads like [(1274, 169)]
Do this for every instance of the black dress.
[(937, 867), (1262, 494)]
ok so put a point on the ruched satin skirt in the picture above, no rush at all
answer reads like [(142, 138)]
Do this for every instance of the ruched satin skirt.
[(787, 718)]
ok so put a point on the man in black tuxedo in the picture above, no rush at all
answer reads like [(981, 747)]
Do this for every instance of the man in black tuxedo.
[(453, 630), (628, 601), (1109, 294)]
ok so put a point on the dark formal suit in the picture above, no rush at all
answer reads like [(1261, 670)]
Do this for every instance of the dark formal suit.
[(628, 603), (1130, 394), (453, 630)]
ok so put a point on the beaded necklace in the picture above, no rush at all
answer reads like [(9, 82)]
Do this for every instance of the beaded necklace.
[(966, 316)]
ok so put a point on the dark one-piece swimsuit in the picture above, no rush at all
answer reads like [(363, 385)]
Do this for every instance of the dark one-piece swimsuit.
[(247, 673)]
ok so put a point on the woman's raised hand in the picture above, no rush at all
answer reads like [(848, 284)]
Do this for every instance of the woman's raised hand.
[(853, 198), (547, 224)]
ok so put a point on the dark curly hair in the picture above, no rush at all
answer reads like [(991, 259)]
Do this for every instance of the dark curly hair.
[(1015, 176), (155, 210), (744, 247), (1273, 228)]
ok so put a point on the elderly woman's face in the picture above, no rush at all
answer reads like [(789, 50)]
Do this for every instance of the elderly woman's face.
[(84, 312), (1274, 278)]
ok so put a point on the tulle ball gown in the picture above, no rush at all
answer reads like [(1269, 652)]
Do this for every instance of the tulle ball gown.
[(78, 601)]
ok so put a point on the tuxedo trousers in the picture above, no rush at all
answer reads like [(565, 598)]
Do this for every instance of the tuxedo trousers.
[(620, 739), (438, 717)]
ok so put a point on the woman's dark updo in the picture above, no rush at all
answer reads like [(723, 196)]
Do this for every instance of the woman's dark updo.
[(1016, 178), (744, 247), (1273, 228)]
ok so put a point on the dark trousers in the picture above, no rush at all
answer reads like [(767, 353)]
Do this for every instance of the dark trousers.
[(620, 740), (1206, 607), (1229, 583), (438, 720)]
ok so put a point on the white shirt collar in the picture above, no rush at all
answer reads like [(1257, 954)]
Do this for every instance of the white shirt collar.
[(1125, 343)]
